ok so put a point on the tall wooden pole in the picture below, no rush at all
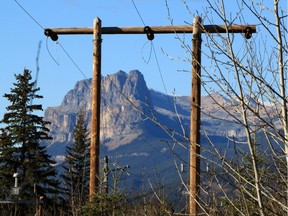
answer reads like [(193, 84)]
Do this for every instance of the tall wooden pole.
[(195, 119), (95, 121)]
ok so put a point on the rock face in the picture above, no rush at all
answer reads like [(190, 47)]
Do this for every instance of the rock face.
[(123, 98), (130, 110)]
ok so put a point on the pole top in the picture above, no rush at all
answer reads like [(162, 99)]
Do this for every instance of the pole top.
[(197, 27), (97, 20)]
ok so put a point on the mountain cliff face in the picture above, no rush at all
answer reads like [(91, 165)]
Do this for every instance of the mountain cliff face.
[(130, 110), (120, 121)]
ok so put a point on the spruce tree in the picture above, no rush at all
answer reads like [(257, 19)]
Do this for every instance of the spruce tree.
[(76, 167), (20, 148)]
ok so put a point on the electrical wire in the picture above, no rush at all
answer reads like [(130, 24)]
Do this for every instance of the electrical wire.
[(159, 69), (138, 12), (155, 55), (150, 53), (72, 60), (29, 14), (48, 50), (47, 47)]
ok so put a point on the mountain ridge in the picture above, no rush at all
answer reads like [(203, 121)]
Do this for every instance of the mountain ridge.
[(129, 109)]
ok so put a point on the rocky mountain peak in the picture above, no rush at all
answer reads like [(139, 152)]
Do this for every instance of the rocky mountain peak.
[(132, 85), (119, 120)]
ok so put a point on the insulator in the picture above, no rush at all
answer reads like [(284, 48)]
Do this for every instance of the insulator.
[(248, 33), (149, 32), (51, 34)]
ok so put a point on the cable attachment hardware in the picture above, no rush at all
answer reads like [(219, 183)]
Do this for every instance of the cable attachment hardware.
[(149, 32), (247, 33), (51, 34)]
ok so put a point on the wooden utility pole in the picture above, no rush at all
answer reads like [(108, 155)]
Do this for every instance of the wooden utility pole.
[(197, 29), (95, 121), (195, 118)]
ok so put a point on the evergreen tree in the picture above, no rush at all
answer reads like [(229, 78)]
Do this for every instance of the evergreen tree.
[(20, 149), (76, 167)]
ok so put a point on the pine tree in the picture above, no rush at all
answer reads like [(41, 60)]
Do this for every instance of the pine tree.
[(20, 149), (76, 167)]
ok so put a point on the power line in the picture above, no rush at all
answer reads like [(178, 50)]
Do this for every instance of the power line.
[(72, 60), (48, 50), (29, 14), (47, 47), (150, 53), (155, 55), (38, 23), (159, 69), (138, 12)]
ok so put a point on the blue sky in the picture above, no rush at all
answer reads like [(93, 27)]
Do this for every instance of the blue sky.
[(21, 37)]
